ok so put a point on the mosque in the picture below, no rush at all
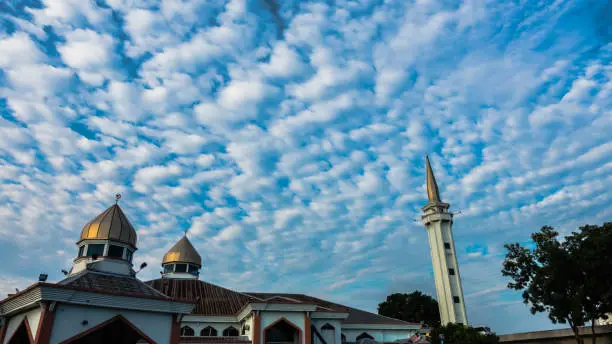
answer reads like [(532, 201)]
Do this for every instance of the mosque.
[(102, 301)]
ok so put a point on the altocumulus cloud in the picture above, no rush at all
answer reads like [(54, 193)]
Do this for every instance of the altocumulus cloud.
[(289, 136)]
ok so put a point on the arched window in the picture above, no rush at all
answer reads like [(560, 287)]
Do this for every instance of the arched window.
[(230, 332), (327, 326), (328, 332), (364, 336), (282, 332), (187, 331), (208, 331)]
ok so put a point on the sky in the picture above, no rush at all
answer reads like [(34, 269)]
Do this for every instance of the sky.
[(289, 137)]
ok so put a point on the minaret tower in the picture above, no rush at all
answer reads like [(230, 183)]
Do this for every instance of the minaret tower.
[(439, 222)]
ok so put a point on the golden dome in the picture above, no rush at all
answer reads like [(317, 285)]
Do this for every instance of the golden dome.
[(111, 224), (182, 252)]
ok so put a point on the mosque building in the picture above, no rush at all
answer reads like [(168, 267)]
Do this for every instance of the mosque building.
[(102, 301)]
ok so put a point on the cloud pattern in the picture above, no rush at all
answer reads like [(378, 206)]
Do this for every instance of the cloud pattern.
[(289, 136)]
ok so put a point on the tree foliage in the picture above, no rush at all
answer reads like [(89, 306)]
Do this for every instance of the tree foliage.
[(570, 280), (413, 307), (460, 334)]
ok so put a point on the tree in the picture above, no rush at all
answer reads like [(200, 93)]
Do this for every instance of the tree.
[(569, 280), (460, 334), (591, 246), (413, 307)]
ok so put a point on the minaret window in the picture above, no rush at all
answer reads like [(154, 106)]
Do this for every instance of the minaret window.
[(115, 251), (451, 272), (447, 245), (128, 255), (456, 299), (95, 249), (168, 268), (81, 250), (230, 332), (180, 268)]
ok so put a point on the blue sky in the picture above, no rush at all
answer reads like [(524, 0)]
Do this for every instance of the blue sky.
[(289, 136)]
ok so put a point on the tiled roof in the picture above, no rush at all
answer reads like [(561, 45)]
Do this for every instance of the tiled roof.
[(114, 284), (210, 299), (213, 300), (355, 316)]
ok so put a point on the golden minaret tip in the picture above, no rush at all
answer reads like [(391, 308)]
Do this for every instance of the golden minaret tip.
[(432, 187)]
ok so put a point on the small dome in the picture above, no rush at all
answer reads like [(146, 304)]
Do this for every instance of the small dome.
[(182, 252), (111, 224)]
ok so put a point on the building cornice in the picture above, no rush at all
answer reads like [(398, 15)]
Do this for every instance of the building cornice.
[(63, 294), (210, 319), (329, 315), (272, 307), (355, 326)]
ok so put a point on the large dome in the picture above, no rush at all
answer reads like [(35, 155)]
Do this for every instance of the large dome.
[(183, 252), (111, 224)]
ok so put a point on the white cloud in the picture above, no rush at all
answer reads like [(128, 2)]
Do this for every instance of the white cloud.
[(19, 49), (148, 177), (293, 148), (90, 54)]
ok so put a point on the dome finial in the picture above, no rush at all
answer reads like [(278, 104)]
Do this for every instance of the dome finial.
[(117, 198)]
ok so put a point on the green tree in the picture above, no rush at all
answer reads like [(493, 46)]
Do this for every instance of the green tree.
[(569, 279), (413, 307), (460, 334)]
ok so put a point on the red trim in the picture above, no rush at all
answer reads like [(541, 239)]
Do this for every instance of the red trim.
[(27, 325), (256, 328), (288, 322), (101, 325), (175, 330), (307, 334), (3, 329), (45, 325)]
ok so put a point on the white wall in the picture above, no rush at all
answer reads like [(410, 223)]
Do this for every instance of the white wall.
[(68, 321), (379, 335), (33, 316)]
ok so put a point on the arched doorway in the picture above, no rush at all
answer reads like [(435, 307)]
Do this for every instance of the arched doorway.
[(282, 332), (117, 330), (22, 335)]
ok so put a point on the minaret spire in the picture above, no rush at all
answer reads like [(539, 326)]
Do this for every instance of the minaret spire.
[(432, 187)]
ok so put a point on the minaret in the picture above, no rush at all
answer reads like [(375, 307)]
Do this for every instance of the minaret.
[(439, 222)]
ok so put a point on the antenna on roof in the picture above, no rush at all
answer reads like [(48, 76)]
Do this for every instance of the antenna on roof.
[(117, 198), (142, 266)]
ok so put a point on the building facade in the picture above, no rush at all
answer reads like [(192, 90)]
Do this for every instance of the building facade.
[(102, 301)]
